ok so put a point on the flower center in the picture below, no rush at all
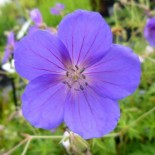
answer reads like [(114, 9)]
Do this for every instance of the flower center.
[(75, 79)]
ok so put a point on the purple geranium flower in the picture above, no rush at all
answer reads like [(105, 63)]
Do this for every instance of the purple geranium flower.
[(9, 47), (57, 9), (149, 31), (76, 77)]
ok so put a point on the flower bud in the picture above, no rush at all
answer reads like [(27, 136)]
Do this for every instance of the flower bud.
[(74, 144)]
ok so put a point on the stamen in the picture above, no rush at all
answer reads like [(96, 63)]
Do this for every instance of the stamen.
[(64, 82), (69, 85), (76, 89), (81, 87), (83, 76), (76, 67), (67, 74), (82, 70), (72, 69)]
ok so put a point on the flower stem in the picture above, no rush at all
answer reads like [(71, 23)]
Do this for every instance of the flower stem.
[(26, 147), (142, 116), (47, 137), (131, 124), (137, 120), (28, 139), (17, 146)]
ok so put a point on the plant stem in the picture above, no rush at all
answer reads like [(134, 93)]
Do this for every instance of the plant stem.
[(28, 140), (131, 124), (137, 120), (135, 4), (46, 137), (26, 147), (143, 116), (16, 147)]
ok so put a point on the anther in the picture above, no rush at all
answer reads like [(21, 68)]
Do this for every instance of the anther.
[(73, 69), (82, 70), (83, 76), (67, 74), (86, 83), (68, 85), (64, 82), (81, 87), (76, 89), (76, 67)]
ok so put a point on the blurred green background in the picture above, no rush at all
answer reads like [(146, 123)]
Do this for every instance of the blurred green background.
[(135, 133)]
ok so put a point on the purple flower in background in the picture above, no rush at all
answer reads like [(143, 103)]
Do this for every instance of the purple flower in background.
[(76, 77), (57, 9), (36, 17), (9, 47), (149, 31)]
